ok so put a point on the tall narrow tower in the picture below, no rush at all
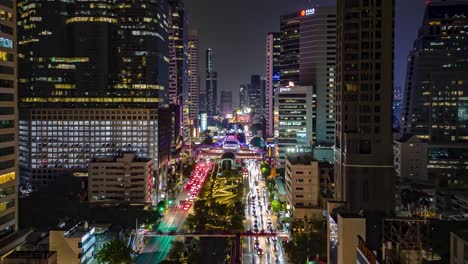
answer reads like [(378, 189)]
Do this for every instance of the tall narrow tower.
[(273, 52), (8, 121), (211, 85), (363, 141)]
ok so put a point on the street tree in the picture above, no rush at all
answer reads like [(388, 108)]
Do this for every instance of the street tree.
[(177, 251), (115, 252)]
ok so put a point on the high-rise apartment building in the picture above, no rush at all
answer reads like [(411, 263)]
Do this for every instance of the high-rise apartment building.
[(364, 171), (178, 67), (211, 85), (308, 57), (273, 53), (92, 81), (435, 100), (8, 121), (226, 103), (194, 81)]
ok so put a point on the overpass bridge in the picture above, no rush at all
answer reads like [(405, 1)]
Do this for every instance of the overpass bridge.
[(237, 259)]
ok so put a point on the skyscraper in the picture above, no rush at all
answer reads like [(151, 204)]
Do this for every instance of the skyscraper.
[(8, 121), (90, 83), (178, 66), (255, 99), (226, 103), (273, 49), (364, 172), (194, 81), (435, 100), (244, 96), (293, 115), (289, 65), (308, 58), (317, 65), (211, 85)]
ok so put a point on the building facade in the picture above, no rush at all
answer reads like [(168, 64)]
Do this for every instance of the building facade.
[(244, 100), (303, 177), (79, 99), (289, 56), (459, 247), (226, 103), (193, 77), (410, 158), (75, 245), (211, 85), (178, 67), (8, 121), (308, 58), (317, 68), (273, 56), (364, 173), (124, 179), (255, 98), (293, 117), (435, 101)]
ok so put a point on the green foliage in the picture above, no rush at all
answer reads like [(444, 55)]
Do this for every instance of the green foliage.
[(275, 206), (177, 251), (256, 142), (115, 252)]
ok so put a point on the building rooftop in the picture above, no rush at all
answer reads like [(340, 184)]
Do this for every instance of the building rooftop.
[(300, 159), (77, 231)]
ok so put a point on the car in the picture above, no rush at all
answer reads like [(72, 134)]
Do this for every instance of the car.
[(172, 232), (277, 259), (275, 248), (267, 240), (256, 230), (259, 251), (159, 232), (256, 244), (187, 206), (255, 226), (255, 221), (274, 238)]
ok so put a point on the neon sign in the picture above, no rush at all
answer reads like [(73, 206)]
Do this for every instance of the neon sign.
[(307, 12)]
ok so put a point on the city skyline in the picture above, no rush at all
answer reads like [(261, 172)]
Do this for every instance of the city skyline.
[(237, 58), (167, 131)]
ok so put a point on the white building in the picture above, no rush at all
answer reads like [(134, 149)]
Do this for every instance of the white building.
[(124, 179), (410, 157), (75, 246), (303, 188), (293, 120)]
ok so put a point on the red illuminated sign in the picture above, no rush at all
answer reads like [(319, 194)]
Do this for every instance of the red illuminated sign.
[(303, 13)]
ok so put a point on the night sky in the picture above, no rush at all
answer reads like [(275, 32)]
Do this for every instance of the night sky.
[(236, 30)]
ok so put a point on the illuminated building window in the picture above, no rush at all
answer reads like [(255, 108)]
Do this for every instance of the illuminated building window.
[(7, 177)]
